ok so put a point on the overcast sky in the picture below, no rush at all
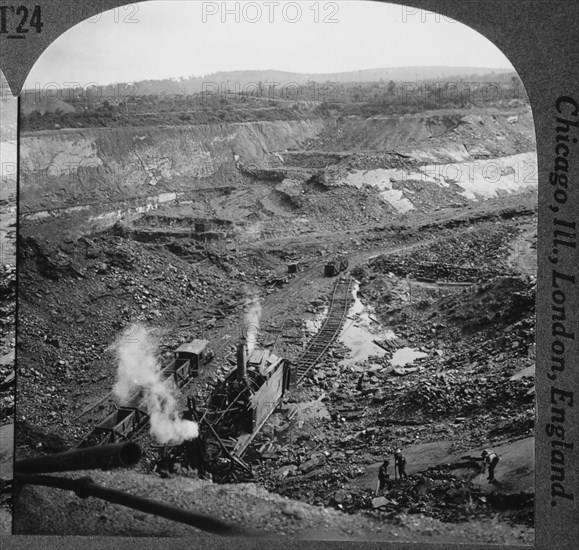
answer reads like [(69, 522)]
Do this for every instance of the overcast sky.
[(167, 38)]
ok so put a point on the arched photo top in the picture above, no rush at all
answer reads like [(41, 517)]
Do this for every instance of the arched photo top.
[(159, 40)]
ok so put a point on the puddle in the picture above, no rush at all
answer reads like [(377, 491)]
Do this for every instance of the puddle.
[(404, 356), (360, 329)]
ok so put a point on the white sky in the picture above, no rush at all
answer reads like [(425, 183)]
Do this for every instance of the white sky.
[(174, 38)]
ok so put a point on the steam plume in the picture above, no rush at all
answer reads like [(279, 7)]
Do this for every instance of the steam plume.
[(251, 320), (139, 374)]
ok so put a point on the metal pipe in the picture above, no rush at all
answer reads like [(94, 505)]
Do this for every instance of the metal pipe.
[(100, 457), (85, 487), (241, 361)]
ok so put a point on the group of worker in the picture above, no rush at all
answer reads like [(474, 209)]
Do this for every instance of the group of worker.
[(489, 459), (399, 469)]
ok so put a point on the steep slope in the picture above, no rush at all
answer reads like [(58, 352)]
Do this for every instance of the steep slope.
[(102, 167)]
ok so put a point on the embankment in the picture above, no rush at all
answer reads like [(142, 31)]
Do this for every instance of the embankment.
[(104, 168)]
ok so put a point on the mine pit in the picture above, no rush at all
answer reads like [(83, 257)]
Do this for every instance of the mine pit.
[(318, 300)]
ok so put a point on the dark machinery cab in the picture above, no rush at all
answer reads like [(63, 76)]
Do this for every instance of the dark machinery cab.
[(196, 353), (243, 402), (335, 266)]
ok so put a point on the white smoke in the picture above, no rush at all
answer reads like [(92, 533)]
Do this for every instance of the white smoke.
[(139, 372), (252, 315)]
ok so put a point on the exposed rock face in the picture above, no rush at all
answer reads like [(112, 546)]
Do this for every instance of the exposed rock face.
[(102, 166), (74, 167)]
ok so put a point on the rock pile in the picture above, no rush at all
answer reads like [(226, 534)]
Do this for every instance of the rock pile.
[(475, 256)]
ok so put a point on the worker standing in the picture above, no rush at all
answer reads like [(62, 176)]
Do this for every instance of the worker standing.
[(383, 475), (490, 459), (399, 464)]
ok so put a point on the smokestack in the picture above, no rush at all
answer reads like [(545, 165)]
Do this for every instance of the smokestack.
[(241, 360)]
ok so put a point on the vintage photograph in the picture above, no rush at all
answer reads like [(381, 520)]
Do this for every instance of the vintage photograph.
[(8, 165), (277, 276)]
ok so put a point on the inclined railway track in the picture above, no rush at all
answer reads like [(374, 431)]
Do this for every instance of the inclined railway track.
[(339, 303)]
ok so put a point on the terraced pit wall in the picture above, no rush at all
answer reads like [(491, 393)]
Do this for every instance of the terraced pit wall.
[(68, 168), (107, 173)]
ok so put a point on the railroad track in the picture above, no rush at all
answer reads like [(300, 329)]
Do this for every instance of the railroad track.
[(338, 308)]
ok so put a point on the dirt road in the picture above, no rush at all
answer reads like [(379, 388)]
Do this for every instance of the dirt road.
[(514, 474)]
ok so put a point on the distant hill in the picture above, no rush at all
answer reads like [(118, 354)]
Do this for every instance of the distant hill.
[(235, 80), (397, 74), (238, 80)]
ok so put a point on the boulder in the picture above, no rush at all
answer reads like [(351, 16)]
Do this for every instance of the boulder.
[(378, 502)]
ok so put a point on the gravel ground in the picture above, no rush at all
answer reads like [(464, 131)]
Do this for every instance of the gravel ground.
[(43, 511)]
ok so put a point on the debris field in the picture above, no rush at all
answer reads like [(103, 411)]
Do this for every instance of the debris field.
[(435, 355)]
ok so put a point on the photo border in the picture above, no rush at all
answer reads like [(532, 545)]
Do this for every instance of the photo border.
[(539, 39)]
